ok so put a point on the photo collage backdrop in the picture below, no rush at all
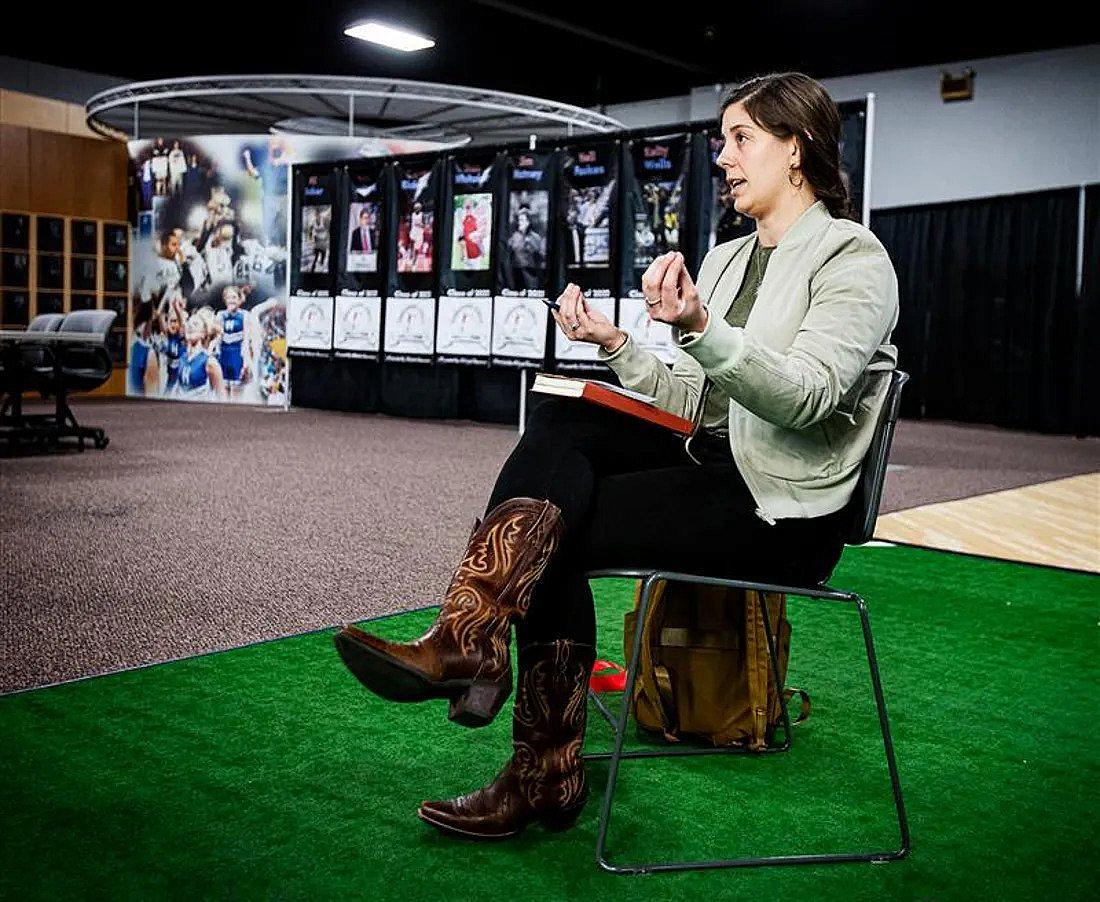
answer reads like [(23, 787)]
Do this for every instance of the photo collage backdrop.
[(210, 260)]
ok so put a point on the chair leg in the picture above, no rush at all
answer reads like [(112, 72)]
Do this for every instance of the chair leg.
[(620, 729), (617, 755), (884, 726)]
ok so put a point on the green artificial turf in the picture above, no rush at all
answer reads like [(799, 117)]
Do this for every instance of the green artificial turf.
[(267, 771)]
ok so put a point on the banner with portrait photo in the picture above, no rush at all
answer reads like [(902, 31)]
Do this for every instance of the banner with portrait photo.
[(590, 223), (657, 189), (589, 239), (410, 307), (465, 317), (316, 191), (357, 329), (364, 189), (417, 187), (520, 315), (473, 186)]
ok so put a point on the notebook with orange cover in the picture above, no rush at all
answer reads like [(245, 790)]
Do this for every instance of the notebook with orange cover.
[(625, 400)]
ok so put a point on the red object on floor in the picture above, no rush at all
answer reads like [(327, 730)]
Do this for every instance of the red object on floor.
[(607, 676)]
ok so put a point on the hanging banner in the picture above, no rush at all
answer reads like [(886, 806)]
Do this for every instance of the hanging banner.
[(656, 196), (589, 239), (312, 266), (464, 331), (357, 328), (520, 314), (410, 310)]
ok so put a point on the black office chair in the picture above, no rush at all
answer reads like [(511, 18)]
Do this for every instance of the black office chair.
[(37, 359), (18, 366), (864, 508), (79, 368), (46, 322)]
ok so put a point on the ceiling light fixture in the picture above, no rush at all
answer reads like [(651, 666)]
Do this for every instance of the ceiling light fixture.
[(388, 36)]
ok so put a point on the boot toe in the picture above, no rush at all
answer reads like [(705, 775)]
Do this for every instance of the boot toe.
[(374, 664), (446, 819)]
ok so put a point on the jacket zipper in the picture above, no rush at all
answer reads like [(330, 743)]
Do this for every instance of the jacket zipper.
[(697, 419)]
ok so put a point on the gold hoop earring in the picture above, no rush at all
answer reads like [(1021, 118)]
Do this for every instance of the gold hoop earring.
[(801, 179)]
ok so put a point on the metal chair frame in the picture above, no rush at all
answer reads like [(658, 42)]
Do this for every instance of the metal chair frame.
[(619, 725), (864, 508)]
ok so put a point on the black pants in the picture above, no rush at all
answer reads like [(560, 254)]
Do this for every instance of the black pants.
[(631, 497)]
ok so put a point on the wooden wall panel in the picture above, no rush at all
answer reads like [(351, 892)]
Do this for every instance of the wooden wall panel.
[(73, 176), (14, 167)]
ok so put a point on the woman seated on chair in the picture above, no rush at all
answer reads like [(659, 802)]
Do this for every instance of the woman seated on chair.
[(783, 363)]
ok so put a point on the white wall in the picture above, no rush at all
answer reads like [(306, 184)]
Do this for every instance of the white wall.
[(1033, 125)]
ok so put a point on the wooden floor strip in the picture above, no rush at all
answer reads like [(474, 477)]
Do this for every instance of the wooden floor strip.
[(1055, 523)]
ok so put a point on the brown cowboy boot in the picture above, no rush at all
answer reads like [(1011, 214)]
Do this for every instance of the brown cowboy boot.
[(464, 656), (544, 779)]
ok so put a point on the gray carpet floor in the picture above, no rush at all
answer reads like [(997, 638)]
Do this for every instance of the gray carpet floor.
[(203, 528)]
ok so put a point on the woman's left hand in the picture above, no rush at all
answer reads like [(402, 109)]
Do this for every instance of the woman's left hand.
[(670, 294)]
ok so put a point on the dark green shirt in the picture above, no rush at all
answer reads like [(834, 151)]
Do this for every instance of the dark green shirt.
[(716, 411)]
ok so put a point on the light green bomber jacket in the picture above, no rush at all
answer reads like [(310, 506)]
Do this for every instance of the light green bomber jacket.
[(806, 376)]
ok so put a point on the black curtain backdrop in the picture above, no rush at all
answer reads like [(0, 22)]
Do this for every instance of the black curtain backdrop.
[(1086, 408), (990, 324), (442, 391)]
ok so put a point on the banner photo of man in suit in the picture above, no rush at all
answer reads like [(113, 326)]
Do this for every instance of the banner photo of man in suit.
[(362, 236)]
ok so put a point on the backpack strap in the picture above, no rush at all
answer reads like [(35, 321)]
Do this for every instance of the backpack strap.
[(671, 725)]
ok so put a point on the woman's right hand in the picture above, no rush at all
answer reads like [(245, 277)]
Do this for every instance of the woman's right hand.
[(590, 325)]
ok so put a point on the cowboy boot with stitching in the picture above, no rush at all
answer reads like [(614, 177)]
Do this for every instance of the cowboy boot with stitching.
[(544, 780), (464, 656)]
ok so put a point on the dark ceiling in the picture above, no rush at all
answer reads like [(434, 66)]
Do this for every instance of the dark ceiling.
[(588, 54)]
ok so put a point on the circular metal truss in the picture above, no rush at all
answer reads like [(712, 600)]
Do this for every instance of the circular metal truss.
[(451, 115)]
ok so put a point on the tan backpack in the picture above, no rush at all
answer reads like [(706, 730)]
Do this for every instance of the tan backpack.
[(704, 670)]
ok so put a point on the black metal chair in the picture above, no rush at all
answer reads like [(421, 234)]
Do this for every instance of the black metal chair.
[(864, 508)]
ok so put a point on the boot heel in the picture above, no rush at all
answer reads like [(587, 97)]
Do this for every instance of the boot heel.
[(557, 821), (479, 704)]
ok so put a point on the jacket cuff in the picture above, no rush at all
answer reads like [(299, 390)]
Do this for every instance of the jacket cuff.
[(629, 362), (718, 347)]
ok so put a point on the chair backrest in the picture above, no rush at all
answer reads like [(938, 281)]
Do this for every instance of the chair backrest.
[(96, 321), (46, 322), (868, 494)]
